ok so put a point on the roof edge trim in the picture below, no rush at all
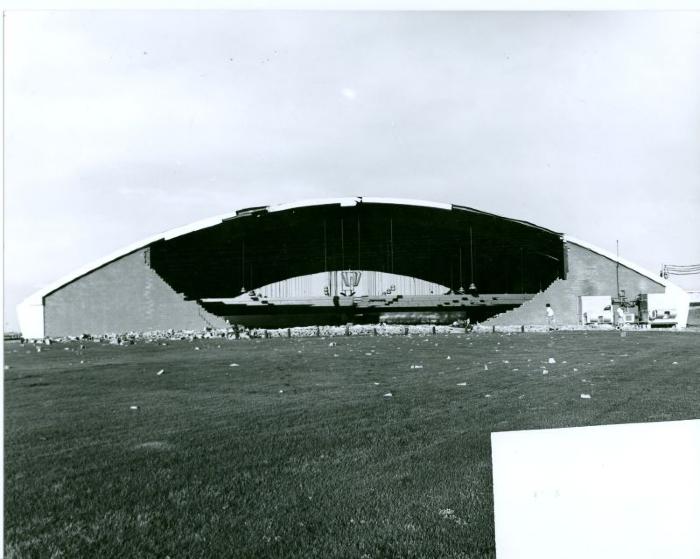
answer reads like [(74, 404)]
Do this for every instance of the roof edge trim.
[(406, 202)]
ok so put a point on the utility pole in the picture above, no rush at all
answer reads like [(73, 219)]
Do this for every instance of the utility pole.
[(617, 266)]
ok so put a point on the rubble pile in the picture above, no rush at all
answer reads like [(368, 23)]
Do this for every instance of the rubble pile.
[(236, 333), (241, 332)]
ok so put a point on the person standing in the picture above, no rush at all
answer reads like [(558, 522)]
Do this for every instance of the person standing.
[(620, 317), (551, 322)]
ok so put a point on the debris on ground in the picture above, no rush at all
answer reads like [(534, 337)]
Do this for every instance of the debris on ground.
[(461, 384), (388, 395), (133, 407), (160, 372), (586, 396), (551, 360)]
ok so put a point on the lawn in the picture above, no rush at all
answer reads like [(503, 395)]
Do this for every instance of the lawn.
[(296, 452)]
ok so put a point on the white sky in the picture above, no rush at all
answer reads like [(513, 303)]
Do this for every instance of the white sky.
[(119, 125)]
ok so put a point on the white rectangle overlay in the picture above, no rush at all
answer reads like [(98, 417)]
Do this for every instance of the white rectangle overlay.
[(612, 491)]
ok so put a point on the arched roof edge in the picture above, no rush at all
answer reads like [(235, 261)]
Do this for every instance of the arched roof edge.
[(37, 297)]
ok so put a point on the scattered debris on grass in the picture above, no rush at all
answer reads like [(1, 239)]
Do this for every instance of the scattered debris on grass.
[(449, 514), (233, 365), (461, 384), (158, 373), (551, 360), (154, 445), (133, 407), (388, 395), (586, 396)]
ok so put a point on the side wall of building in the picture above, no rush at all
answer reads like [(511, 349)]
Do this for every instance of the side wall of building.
[(589, 273), (125, 295)]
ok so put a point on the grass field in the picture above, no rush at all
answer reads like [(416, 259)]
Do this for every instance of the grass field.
[(295, 452)]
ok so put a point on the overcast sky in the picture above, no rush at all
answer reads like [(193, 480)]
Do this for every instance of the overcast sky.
[(119, 125)]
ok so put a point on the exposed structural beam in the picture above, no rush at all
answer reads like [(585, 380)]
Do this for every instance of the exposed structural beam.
[(342, 242), (242, 265), (522, 271), (325, 247), (391, 244), (461, 284), (472, 285)]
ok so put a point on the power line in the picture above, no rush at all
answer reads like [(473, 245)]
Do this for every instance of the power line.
[(680, 270)]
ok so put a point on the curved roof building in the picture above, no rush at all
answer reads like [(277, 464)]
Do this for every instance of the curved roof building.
[(350, 259)]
